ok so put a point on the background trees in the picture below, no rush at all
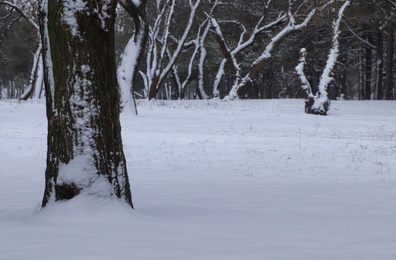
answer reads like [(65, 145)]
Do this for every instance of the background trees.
[(18, 44), (185, 59)]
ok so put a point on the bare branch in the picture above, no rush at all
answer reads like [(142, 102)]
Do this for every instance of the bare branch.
[(358, 37), (392, 3), (259, 63), (21, 12)]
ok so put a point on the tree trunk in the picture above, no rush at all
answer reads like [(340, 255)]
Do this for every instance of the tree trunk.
[(390, 51), (133, 52), (380, 63), (154, 88), (85, 153), (368, 72)]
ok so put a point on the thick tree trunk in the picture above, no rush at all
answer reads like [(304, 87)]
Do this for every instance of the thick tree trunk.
[(85, 152)]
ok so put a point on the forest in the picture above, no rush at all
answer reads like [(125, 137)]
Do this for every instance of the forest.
[(201, 49), (173, 129)]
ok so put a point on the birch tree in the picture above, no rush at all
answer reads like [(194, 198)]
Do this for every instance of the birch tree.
[(85, 153)]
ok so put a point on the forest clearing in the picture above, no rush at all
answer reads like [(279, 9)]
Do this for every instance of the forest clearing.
[(210, 179)]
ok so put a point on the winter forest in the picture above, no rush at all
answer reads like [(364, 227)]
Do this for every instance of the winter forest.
[(202, 49), (197, 129)]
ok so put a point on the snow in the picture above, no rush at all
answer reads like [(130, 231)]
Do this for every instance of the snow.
[(125, 72), (70, 10), (267, 54), (47, 54), (326, 78), (248, 179)]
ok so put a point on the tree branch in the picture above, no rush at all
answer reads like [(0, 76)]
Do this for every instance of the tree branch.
[(21, 12)]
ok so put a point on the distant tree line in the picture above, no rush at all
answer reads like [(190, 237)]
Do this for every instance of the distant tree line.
[(229, 48)]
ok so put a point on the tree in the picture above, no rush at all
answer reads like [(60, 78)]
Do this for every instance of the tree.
[(133, 52), (18, 30), (160, 61), (390, 28), (294, 10), (319, 104), (85, 152)]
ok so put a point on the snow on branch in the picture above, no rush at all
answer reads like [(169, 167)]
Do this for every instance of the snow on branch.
[(158, 66), (182, 40), (246, 82), (242, 45), (322, 102), (20, 10), (199, 43), (47, 59), (35, 79), (36, 74), (133, 51), (224, 48), (305, 86)]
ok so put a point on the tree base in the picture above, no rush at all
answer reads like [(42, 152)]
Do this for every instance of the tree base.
[(66, 191), (321, 110)]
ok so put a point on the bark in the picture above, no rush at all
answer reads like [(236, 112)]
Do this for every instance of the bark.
[(228, 55), (85, 152), (380, 62), (390, 51), (368, 73), (343, 75)]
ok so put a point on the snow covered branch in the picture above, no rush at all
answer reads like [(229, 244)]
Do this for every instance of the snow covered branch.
[(157, 68), (305, 86), (133, 52), (321, 102), (229, 56), (36, 75), (199, 43), (21, 12), (259, 63)]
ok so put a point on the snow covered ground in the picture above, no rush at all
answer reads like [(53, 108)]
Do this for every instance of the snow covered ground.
[(214, 180)]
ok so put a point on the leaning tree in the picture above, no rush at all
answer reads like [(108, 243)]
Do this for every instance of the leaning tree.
[(319, 103), (85, 152)]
